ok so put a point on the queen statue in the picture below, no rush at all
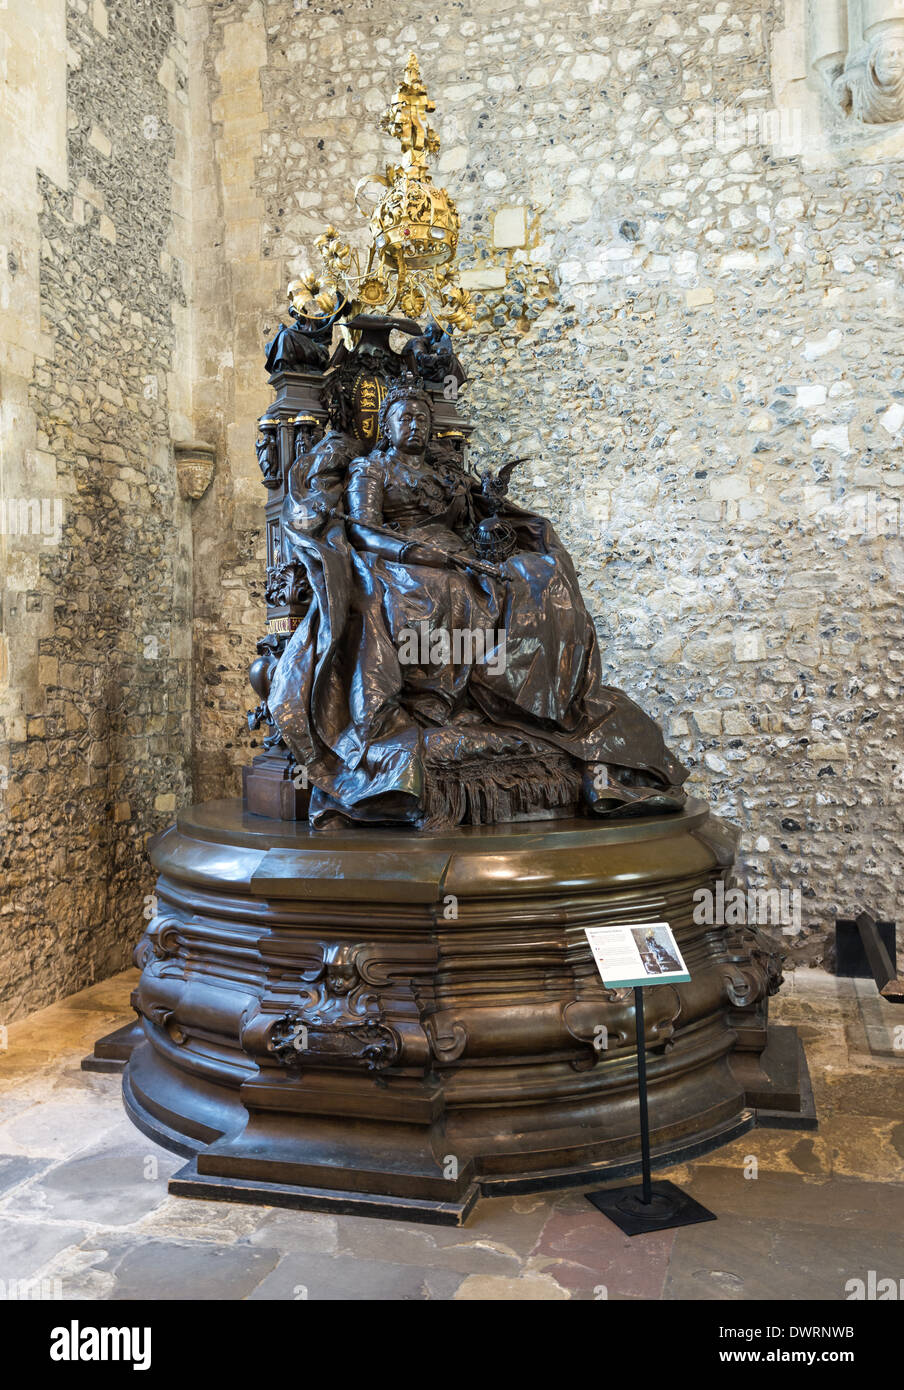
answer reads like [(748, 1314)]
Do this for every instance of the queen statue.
[(446, 670)]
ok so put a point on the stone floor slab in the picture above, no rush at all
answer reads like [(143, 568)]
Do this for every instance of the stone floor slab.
[(140, 1268), (507, 1234), (16, 1169), (26, 1246), (736, 1259), (106, 1185), (586, 1253), (347, 1278)]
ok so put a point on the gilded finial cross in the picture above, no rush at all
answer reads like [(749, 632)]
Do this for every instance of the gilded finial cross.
[(406, 118)]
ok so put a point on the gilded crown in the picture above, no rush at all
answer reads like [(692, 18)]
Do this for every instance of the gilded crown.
[(415, 220), (414, 226)]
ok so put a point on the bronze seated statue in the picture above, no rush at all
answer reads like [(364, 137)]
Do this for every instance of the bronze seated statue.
[(446, 669)]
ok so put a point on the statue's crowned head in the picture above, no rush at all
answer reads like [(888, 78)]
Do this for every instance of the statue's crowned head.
[(405, 402)]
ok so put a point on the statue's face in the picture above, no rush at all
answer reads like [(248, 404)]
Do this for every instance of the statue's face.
[(888, 61), (408, 426)]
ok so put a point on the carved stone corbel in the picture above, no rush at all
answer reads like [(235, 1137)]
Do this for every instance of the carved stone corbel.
[(871, 87), (194, 467)]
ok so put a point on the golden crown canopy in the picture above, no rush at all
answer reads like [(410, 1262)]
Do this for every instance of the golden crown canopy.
[(413, 227)]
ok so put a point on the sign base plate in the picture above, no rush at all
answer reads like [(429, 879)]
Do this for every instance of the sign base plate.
[(668, 1208)]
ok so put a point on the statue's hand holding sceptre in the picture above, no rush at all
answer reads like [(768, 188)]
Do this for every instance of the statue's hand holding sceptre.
[(467, 562), (415, 553)]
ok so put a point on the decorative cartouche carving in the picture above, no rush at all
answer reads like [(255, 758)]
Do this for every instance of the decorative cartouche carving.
[(358, 1008), (294, 1041)]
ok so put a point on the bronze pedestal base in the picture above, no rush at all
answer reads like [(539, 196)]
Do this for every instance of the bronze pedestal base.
[(393, 1023)]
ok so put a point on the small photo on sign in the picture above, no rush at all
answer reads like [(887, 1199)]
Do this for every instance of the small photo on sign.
[(643, 954), (658, 951)]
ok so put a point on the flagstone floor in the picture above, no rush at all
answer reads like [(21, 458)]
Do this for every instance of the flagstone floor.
[(84, 1207)]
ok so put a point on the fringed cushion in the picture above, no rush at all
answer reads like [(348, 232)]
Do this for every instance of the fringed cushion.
[(488, 776)]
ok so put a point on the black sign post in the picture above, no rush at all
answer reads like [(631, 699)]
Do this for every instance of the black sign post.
[(653, 1206)]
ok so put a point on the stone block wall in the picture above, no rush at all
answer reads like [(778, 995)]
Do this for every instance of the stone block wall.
[(96, 544), (235, 288)]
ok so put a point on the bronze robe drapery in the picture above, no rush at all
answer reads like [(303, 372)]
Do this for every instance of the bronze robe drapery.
[(388, 742)]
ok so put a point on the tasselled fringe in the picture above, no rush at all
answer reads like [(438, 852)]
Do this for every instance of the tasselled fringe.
[(482, 793)]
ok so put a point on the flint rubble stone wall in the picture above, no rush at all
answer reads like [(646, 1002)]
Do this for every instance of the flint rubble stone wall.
[(94, 714)]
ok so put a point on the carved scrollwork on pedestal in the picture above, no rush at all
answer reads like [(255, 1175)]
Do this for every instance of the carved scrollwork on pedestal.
[(163, 1017), (752, 971), (584, 1017), (160, 940), (143, 953), (163, 934), (353, 1012), (448, 1040), (296, 1041), (621, 995)]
